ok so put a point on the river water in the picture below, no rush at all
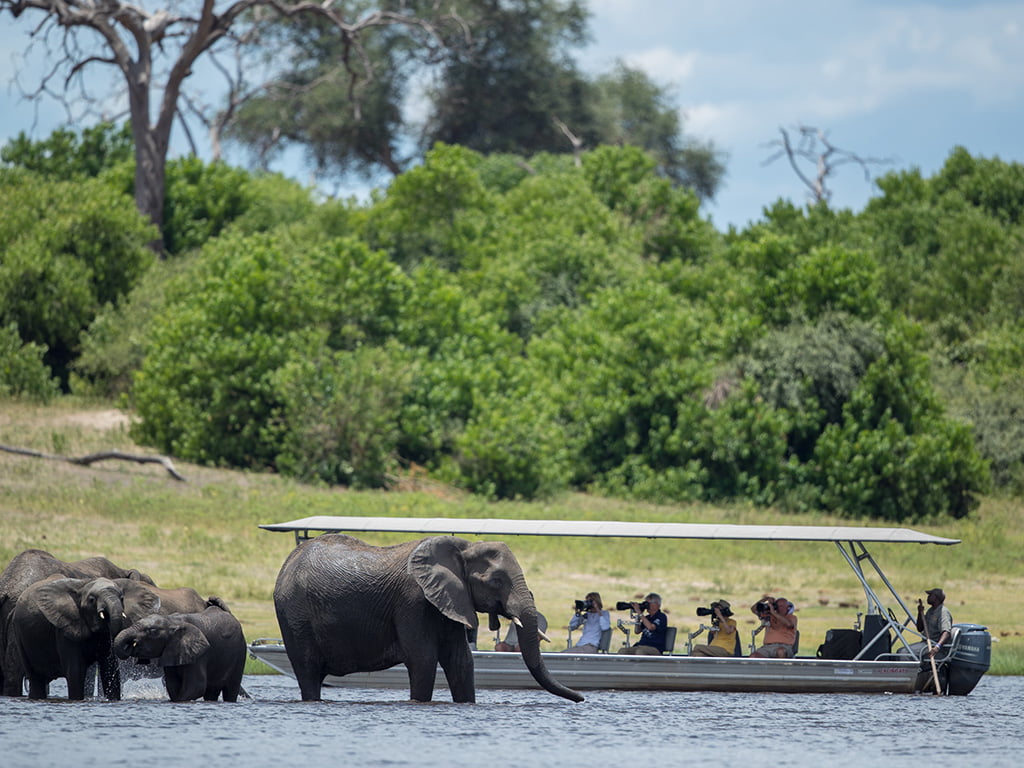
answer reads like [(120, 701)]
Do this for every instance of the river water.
[(364, 727)]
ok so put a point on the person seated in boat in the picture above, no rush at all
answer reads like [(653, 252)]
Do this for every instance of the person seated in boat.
[(511, 641), (780, 636), (936, 624), (594, 619), (652, 627), (722, 637)]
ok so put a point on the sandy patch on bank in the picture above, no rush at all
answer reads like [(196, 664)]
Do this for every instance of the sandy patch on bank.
[(101, 420)]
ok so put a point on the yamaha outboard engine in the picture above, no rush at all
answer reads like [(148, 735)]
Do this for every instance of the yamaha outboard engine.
[(970, 658)]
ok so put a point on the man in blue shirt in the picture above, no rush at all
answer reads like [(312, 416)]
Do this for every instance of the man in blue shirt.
[(651, 628)]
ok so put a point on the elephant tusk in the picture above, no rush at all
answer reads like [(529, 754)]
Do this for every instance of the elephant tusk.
[(124, 615), (516, 621), (543, 636), (103, 615)]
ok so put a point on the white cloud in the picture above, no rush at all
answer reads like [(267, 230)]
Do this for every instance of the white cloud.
[(664, 65)]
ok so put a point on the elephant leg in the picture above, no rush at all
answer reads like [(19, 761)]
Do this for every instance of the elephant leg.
[(310, 683), (38, 687), (421, 678), (110, 676), (456, 660), (75, 670), (233, 686)]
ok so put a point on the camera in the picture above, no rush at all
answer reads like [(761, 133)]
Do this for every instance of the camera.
[(702, 611), (583, 606), (764, 607), (621, 606)]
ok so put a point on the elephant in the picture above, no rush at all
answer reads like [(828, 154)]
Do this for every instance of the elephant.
[(61, 626), (24, 570), (201, 654), (171, 600), (347, 606), (176, 600)]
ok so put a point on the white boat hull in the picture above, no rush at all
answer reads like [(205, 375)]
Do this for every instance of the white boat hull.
[(649, 673)]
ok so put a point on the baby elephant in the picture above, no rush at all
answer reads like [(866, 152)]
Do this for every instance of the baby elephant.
[(201, 654)]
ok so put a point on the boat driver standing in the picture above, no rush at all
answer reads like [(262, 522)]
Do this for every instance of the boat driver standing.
[(651, 627), (936, 623)]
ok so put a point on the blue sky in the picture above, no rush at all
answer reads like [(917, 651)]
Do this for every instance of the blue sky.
[(900, 80)]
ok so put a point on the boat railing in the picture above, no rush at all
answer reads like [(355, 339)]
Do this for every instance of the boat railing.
[(625, 629), (753, 635), (690, 636)]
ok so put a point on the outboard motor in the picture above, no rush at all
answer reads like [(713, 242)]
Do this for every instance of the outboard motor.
[(969, 659)]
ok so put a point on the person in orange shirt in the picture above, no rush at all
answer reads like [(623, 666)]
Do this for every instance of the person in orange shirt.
[(780, 637)]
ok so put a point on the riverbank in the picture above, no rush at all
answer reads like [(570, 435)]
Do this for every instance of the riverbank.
[(204, 533)]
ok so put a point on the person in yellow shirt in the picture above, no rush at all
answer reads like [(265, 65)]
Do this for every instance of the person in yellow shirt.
[(722, 638)]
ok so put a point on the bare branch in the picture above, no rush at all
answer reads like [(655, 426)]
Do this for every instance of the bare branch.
[(824, 159), (576, 141)]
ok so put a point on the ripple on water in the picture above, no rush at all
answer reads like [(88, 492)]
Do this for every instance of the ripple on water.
[(382, 728)]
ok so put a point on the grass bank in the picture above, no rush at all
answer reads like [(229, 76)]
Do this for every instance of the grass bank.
[(204, 533)]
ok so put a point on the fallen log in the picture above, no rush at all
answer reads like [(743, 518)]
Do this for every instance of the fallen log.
[(100, 456)]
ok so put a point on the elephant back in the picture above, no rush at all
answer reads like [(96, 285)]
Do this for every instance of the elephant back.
[(317, 563)]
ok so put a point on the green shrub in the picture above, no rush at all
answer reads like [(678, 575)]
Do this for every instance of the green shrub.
[(207, 390), (340, 415), (22, 370), (69, 248), (895, 456)]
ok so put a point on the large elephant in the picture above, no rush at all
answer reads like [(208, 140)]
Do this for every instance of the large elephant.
[(201, 654), (24, 570), (59, 627), (346, 606)]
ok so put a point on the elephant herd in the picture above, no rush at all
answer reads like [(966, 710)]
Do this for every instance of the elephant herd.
[(57, 619), (342, 605)]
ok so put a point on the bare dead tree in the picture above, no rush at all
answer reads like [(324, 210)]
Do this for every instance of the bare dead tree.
[(824, 159), (153, 53)]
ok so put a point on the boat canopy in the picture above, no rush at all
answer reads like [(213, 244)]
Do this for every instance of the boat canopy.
[(605, 528)]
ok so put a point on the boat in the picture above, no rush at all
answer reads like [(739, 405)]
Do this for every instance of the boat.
[(882, 660)]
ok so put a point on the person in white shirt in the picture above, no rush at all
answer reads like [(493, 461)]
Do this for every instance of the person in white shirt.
[(594, 619)]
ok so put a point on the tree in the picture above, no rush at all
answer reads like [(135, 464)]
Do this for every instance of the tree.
[(632, 109), (155, 52), (511, 87)]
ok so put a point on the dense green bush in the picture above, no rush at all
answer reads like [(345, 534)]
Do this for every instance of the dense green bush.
[(22, 371), (68, 248), (516, 326), (340, 415), (208, 389), (895, 456)]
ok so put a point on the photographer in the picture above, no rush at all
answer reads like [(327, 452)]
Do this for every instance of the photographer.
[(651, 627), (594, 620), (780, 637), (722, 638)]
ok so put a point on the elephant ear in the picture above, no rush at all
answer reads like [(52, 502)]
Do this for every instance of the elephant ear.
[(437, 565), (186, 645), (57, 600), (138, 600)]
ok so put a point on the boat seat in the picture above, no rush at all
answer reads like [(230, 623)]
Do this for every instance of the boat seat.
[(605, 641), (670, 639)]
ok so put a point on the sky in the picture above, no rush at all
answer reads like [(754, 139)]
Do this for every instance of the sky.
[(904, 82)]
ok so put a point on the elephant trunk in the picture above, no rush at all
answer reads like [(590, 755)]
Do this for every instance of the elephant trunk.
[(529, 646)]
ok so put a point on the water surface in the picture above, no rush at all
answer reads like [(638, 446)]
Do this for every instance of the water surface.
[(367, 727)]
